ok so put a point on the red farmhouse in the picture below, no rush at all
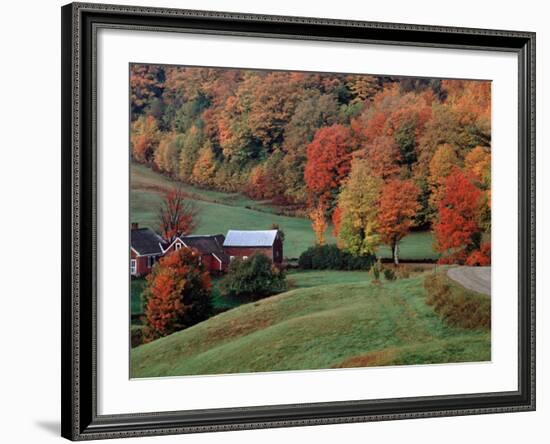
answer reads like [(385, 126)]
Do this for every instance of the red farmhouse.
[(210, 247), (216, 251), (146, 247), (244, 243)]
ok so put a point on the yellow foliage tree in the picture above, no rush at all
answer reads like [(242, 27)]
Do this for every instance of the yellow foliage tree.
[(478, 164), (204, 170), (319, 222), (358, 202)]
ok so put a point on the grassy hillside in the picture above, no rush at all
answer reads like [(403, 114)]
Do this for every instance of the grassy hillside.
[(296, 279), (220, 212), (346, 324)]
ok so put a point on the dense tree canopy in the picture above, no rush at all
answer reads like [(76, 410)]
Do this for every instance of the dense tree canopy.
[(293, 137)]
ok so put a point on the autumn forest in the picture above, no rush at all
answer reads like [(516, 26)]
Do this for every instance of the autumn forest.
[(371, 157)]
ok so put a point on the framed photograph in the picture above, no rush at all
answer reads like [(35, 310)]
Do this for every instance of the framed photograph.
[(281, 221)]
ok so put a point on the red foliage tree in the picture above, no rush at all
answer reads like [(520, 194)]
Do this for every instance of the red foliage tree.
[(398, 206), (177, 215), (481, 257), (177, 293), (328, 161), (383, 156), (457, 230)]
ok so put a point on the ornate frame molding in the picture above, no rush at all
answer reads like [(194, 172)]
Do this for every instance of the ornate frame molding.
[(80, 22)]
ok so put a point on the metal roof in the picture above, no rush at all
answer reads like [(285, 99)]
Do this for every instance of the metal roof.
[(250, 238)]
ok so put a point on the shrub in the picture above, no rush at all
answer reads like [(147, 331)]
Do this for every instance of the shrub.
[(177, 293), (330, 257), (403, 272), (457, 306), (254, 278), (389, 274), (375, 272), (139, 335)]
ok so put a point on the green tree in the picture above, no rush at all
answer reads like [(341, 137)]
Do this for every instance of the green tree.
[(253, 278), (190, 144)]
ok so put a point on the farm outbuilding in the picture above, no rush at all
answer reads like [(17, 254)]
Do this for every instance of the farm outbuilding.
[(244, 243)]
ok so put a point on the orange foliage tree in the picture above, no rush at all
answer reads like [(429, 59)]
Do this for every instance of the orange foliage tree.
[(398, 206), (177, 293), (177, 215), (457, 231), (319, 222), (336, 221), (204, 170), (145, 139)]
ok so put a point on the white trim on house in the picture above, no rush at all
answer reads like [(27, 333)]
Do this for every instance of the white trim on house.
[(177, 239), (145, 255), (219, 260)]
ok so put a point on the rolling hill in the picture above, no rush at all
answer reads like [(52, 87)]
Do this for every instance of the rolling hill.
[(350, 324)]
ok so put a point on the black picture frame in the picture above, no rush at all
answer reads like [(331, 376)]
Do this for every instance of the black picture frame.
[(80, 22)]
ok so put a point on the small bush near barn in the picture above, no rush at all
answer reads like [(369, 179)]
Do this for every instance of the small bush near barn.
[(253, 278), (330, 257)]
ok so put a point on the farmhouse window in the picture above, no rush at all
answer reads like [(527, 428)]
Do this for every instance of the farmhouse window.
[(133, 264)]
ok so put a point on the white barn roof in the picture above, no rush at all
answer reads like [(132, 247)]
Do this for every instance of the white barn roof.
[(250, 238)]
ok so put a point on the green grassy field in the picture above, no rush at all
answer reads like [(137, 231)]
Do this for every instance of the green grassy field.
[(354, 323), (220, 212)]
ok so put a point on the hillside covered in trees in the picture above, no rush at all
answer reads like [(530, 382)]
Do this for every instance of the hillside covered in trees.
[(373, 157)]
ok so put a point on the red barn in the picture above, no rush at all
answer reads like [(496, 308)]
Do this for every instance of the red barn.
[(210, 247), (244, 243), (146, 247)]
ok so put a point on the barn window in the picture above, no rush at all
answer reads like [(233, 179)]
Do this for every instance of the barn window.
[(231, 258), (178, 246), (133, 266), (245, 257)]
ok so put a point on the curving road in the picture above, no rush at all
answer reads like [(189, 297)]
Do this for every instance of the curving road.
[(473, 278)]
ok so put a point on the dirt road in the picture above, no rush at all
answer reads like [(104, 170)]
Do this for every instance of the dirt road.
[(473, 278)]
